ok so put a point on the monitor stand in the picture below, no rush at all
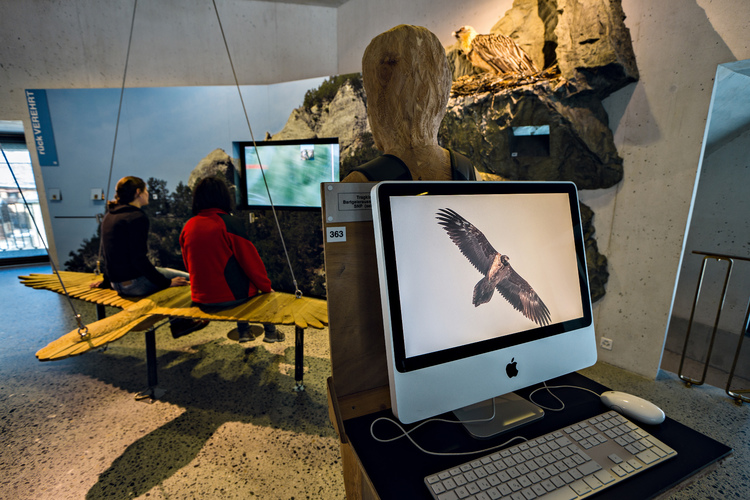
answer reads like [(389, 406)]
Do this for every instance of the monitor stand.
[(511, 411)]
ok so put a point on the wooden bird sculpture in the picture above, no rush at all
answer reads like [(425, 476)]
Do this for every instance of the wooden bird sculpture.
[(140, 313)]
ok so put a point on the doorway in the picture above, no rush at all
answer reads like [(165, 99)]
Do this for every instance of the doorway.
[(19, 208), (718, 223)]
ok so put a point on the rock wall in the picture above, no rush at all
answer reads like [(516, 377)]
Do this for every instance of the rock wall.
[(594, 48), (587, 40), (581, 146), (345, 117), (586, 52)]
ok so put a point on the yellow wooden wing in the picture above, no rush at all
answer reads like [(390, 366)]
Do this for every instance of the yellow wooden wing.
[(141, 313), (77, 286), (276, 307), (134, 317)]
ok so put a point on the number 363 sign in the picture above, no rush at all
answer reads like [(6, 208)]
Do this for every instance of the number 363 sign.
[(334, 234)]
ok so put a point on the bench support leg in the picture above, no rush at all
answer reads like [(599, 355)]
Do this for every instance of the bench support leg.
[(152, 392), (299, 358)]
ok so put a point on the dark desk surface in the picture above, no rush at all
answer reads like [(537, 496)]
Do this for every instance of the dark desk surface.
[(397, 469)]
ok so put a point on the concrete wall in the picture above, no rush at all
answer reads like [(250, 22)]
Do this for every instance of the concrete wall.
[(658, 122), (361, 20), (658, 125), (83, 44)]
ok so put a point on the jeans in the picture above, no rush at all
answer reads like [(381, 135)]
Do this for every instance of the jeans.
[(143, 286)]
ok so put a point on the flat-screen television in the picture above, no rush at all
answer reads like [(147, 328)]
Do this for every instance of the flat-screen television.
[(292, 171), (484, 290)]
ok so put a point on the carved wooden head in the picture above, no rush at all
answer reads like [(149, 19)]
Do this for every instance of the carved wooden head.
[(407, 80)]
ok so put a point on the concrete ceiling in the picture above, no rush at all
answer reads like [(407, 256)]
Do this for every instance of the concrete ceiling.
[(318, 3)]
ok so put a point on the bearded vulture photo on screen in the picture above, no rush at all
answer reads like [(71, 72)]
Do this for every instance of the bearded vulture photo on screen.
[(495, 53), (496, 268)]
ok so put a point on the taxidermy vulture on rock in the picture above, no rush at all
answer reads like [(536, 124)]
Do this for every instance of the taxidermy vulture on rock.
[(495, 53)]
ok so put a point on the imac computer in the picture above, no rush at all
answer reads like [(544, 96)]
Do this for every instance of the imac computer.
[(484, 291), (292, 169)]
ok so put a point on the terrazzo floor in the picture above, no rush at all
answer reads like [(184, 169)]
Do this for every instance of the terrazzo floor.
[(230, 425)]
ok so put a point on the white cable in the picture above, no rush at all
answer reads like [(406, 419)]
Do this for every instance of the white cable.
[(114, 143), (407, 434), (297, 291), (547, 388), (82, 330)]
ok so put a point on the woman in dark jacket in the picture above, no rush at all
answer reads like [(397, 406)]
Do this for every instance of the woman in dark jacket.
[(125, 244)]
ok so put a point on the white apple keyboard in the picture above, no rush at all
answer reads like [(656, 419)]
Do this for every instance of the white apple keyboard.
[(569, 464)]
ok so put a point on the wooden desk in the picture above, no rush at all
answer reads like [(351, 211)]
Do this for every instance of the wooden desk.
[(358, 389), (359, 382), (397, 469)]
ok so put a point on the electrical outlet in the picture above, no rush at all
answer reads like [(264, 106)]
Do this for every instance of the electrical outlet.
[(605, 343)]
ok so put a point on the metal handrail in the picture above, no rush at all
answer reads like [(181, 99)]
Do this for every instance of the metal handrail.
[(737, 395)]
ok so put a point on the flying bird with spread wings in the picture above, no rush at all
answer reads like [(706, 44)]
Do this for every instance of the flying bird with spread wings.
[(496, 268), (495, 53)]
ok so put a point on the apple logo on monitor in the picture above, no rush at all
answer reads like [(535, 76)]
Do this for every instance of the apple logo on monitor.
[(511, 369)]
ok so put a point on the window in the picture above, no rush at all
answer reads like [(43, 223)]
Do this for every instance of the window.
[(19, 240)]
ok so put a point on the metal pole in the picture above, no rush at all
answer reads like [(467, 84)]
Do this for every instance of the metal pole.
[(691, 381), (739, 395), (152, 392), (299, 357)]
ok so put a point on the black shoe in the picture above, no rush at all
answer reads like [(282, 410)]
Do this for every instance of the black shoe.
[(247, 336), (252, 333), (182, 326), (276, 336)]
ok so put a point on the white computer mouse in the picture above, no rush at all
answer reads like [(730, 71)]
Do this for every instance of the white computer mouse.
[(633, 407)]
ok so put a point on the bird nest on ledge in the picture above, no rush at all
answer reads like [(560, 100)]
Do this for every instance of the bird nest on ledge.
[(493, 83)]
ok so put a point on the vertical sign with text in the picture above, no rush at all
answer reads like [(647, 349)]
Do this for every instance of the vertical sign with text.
[(41, 125)]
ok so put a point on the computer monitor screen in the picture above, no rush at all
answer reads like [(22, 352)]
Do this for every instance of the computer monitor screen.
[(293, 171), (484, 290)]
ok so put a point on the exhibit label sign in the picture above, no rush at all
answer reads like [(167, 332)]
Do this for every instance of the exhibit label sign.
[(41, 125), (347, 201)]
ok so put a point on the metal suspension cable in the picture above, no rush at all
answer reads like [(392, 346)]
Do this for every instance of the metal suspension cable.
[(82, 330), (297, 291), (117, 128)]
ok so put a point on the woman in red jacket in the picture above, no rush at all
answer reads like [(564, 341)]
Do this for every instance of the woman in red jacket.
[(225, 267)]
